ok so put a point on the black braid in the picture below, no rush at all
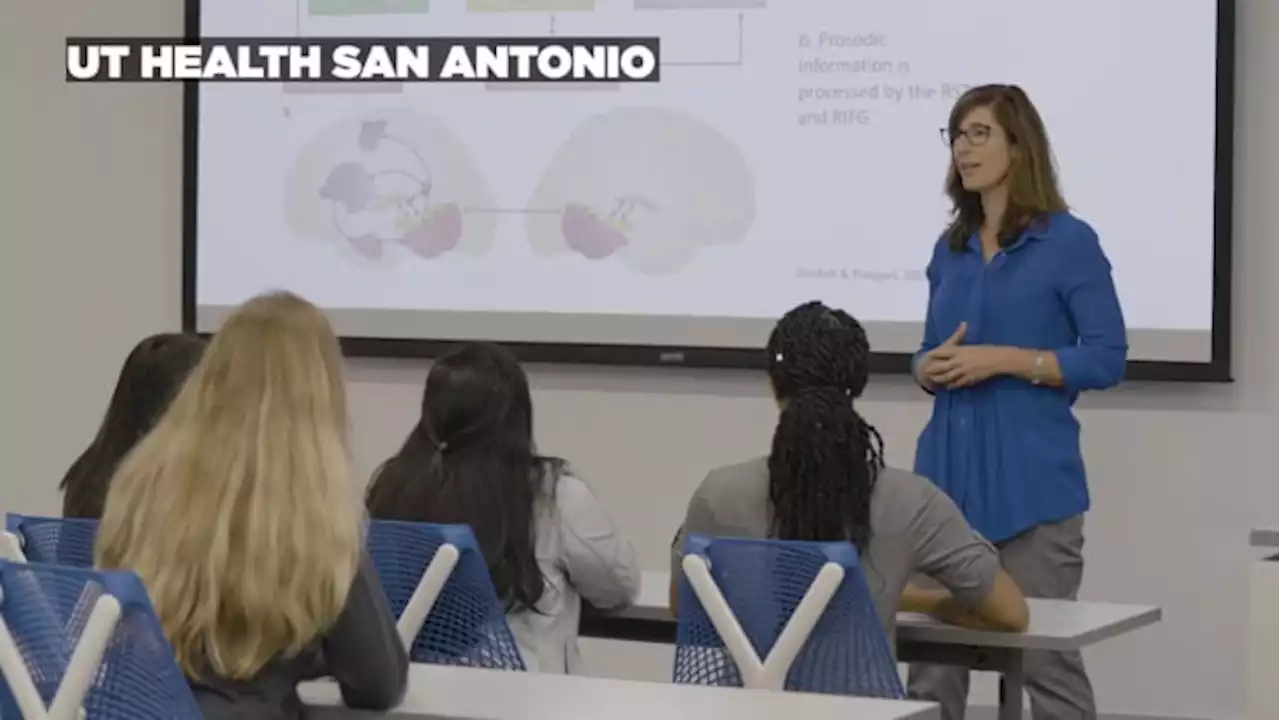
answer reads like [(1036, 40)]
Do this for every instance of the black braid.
[(825, 458)]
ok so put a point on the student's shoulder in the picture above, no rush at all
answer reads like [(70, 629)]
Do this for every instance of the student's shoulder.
[(563, 482), (901, 494), (733, 478)]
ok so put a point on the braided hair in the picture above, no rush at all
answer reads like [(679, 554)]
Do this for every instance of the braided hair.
[(825, 457)]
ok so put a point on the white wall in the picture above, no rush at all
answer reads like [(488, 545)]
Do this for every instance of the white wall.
[(91, 245)]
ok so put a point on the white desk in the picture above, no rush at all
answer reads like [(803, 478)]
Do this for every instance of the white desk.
[(450, 693), (654, 601), (1264, 538), (1055, 625), (1263, 665)]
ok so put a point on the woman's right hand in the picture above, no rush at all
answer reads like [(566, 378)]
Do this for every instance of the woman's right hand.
[(922, 371), (924, 365)]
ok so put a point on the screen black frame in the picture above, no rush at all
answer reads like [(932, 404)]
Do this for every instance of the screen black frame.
[(1217, 369)]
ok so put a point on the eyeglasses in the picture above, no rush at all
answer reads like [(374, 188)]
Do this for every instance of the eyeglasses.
[(977, 135)]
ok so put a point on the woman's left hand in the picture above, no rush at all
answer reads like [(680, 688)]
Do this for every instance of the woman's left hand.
[(960, 366)]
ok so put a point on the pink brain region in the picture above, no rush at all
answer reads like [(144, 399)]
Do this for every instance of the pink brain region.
[(389, 186), (437, 233), (369, 246), (587, 234), (647, 188)]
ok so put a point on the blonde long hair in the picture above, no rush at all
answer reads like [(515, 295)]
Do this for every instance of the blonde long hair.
[(239, 511)]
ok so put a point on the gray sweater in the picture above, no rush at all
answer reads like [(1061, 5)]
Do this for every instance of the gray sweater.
[(915, 529), (362, 652)]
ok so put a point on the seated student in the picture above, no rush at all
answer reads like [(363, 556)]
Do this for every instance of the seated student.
[(825, 481), (240, 514), (151, 375), (548, 542)]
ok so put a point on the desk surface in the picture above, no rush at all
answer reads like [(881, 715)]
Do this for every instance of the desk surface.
[(450, 693), (1264, 537), (1055, 624)]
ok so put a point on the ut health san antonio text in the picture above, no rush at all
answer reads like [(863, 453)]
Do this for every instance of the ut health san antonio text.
[(532, 59)]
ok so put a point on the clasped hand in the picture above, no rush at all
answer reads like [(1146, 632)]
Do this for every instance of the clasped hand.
[(953, 365)]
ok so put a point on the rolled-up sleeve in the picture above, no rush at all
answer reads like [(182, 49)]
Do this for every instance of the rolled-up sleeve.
[(949, 551), (1097, 360)]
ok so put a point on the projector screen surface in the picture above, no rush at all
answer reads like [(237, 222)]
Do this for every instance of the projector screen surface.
[(791, 151)]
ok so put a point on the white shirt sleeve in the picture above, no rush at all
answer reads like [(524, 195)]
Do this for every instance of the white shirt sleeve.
[(599, 562)]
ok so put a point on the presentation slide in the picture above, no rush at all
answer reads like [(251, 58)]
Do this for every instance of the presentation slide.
[(791, 151)]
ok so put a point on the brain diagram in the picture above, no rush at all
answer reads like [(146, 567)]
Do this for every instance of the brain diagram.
[(389, 185), (646, 186)]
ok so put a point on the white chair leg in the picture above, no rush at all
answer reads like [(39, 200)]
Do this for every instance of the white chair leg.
[(86, 659), (425, 595), (772, 673), (11, 548), (14, 669), (722, 618), (800, 625)]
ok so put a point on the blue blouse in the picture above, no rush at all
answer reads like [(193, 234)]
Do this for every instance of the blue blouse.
[(1007, 451)]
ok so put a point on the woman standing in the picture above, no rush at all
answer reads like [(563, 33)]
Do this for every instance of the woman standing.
[(1022, 316)]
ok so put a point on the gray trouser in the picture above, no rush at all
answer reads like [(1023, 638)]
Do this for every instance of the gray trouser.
[(1046, 562)]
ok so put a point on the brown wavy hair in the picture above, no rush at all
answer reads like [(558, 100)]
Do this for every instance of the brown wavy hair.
[(1034, 191)]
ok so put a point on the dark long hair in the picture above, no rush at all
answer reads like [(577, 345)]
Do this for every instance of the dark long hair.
[(151, 376), (471, 459), (825, 458), (1033, 179)]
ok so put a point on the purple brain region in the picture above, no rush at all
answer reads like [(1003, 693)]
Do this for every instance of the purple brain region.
[(390, 187)]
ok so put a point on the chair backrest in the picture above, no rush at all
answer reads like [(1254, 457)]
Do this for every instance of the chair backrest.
[(784, 615), (73, 639), (467, 623), (60, 541)]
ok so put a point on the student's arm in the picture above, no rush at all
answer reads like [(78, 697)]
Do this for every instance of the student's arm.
[(600, 563), (979, 592), (363, 651), (988, 614), (673, 591), (699, 519)]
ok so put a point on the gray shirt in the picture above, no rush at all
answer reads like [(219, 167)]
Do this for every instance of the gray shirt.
[(915, 528)]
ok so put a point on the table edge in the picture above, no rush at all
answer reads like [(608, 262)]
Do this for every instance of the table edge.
[(1148, 615), (308, 691)]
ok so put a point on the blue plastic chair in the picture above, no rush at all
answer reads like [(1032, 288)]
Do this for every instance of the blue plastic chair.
[(60, 541), (780, 615), (465, 622), (72, 638)]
